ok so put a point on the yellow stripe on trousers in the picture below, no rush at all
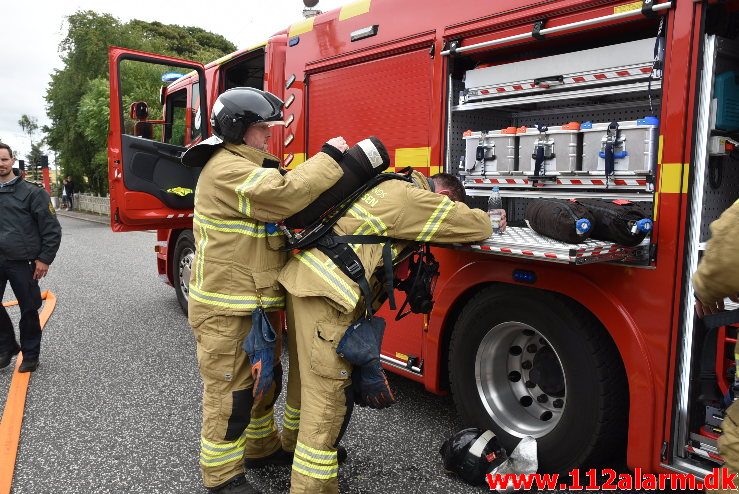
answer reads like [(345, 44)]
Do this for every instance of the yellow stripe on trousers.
[(315, 463)]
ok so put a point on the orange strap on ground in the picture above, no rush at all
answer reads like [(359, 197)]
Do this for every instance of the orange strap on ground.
[(10, 425)]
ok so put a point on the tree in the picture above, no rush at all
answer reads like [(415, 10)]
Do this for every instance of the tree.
[(29, 125), (33, 159), (77, 96)]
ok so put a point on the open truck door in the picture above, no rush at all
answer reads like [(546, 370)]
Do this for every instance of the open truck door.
[(150, 128)]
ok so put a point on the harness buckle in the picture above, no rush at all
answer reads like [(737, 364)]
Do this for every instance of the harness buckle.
[(354, 267)]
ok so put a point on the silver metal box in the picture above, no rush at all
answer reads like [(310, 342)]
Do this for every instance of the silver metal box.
[(635, 146)]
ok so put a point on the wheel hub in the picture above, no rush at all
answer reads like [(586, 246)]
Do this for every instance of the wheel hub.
[(520, 380), (185, 268)]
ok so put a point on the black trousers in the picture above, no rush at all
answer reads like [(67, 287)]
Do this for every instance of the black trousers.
[(28, 294)]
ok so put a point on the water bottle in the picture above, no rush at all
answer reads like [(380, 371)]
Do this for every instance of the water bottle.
[(495, 204)]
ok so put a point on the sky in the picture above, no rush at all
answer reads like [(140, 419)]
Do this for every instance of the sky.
[(33, 29)]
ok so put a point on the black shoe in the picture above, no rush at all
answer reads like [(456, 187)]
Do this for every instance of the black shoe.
[(28, 365), (341, 454), (7, 356), (237, 485), (278, 458)]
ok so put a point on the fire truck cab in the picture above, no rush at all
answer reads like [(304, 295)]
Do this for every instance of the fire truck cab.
[(590, 348)]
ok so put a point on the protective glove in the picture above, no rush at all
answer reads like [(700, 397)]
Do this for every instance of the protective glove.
[(259, 345), (360, 346), (371, 388)]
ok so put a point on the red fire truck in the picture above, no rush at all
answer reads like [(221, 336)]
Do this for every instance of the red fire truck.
[(591, 348)]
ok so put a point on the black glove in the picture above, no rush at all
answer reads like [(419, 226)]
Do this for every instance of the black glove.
[(360, 346)]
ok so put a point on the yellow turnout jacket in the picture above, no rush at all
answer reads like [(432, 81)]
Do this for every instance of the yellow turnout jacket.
[(237, 259), (717, 275)]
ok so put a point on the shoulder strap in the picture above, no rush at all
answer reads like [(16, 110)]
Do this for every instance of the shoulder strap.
[(310, 236), (337, 248)]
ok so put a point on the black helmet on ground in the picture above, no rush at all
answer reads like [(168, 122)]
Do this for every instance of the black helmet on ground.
[(472, 453), (240, 107)]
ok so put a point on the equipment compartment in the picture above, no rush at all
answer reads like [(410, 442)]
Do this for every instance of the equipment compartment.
[(619, 63), (546, 98)]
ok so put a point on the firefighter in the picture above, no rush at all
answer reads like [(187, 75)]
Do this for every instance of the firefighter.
[(239, 192), (323, 303), (717, 277)]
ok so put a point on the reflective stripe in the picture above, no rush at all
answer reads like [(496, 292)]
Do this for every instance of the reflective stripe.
[(241, 302), (291, 420), (433, 223), (321, 456), (329, 277), (260, 427), (291, 424), (317, 472), (215, 454), (200, 261), (363, 229), (251, 180), (360, 213), (372, 223), (315, 463), (244, 227), (262, 421)]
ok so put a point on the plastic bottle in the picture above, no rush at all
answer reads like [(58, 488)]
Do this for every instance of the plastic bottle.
[(495, 204)]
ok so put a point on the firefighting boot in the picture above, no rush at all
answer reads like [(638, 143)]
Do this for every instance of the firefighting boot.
[(282, 457), (28, 365), (237, 485), (5, 357), (278, 458)]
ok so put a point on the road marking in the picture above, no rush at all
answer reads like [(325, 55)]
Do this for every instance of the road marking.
[(10, 425)]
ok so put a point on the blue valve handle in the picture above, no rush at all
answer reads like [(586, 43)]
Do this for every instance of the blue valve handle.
[(582, 226), (644, 225)]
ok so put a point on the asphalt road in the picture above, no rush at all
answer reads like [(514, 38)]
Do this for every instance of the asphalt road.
[(115, 404)]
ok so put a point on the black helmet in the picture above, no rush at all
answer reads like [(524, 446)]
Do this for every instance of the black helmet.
[(472, 453), (240, 107)]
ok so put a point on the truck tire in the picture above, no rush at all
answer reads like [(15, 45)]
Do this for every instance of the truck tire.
[(184, 258), (529, 362)]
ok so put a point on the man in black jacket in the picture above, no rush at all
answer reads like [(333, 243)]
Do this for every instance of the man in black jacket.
[(69, 189), (29, 238)]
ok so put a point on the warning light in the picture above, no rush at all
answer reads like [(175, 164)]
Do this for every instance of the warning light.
[(524, 276)]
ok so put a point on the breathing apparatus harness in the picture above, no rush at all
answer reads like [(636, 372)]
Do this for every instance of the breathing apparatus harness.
[(423, 268)]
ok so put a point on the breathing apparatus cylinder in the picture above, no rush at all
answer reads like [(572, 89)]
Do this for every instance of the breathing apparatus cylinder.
[(360, 163)]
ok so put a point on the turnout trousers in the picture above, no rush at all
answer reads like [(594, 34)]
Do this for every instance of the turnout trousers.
[(319, 399), (26, 290), (234, 426)]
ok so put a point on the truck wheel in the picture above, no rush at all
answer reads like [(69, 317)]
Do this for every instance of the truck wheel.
[(184, 258), (529, 362)]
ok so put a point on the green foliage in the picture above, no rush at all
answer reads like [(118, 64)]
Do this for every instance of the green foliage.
[(33, 159), (29, 125), (78, 94)]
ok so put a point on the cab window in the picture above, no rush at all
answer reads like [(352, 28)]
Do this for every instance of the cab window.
[(176, 112), (196, 121)]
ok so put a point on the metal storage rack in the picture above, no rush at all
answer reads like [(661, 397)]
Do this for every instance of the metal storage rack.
[(619, 98), (525, 243)]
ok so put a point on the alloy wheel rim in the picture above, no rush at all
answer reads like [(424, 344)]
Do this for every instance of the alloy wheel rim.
[(520, 380), (188, 257)]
